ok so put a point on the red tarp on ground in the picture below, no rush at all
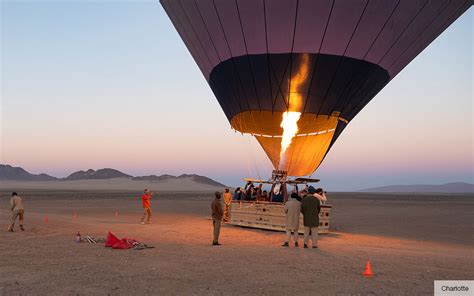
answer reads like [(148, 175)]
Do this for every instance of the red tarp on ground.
[(111, 240), (123, 245), (115, 243)]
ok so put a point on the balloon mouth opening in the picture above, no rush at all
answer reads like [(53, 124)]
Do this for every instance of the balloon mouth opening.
[(269, 124), (308, 146)]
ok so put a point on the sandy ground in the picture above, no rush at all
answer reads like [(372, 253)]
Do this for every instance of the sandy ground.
[(410, 240)]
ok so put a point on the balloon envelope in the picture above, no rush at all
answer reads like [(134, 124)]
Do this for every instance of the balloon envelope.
[(321, 58)]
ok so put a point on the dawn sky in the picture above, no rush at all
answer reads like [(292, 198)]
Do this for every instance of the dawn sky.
[(111, 84)]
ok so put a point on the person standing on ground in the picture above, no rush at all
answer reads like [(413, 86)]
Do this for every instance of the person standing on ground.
[(310, 207), (292, 210), (216, 208), (227, 202), (18, 210), (147, 194)]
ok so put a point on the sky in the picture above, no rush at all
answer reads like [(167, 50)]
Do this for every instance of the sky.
[(110, 84)]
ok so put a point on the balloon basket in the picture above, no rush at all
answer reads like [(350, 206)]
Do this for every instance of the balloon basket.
[(271, 216)]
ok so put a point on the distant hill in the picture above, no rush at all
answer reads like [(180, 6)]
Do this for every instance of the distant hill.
[(90, 174), (8, 172), (458, 187), (192, 177), (201, 179), (104, 179)]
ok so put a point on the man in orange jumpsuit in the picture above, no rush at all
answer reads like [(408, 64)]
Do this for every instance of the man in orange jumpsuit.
[(147, 194)]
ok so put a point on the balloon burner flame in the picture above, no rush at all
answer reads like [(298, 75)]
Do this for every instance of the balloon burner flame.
[(289, 123), (290, 118)]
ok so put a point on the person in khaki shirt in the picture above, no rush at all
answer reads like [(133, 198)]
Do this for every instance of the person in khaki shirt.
[(217, 212), (18, 210), (227, 202)]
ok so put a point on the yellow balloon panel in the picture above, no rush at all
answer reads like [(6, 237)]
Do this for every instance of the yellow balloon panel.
[(307, 148), (304, 154), (268, 123)]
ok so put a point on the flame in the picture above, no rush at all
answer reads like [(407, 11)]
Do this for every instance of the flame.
[(290, 118), (289, 124)]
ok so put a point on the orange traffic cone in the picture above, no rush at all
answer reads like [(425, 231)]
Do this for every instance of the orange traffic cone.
[(45, 219), (368, 270)]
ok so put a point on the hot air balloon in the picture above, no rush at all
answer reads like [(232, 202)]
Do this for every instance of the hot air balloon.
[(294, 73)]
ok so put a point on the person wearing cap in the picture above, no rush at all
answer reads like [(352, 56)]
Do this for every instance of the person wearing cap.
[(292, 210), (217, 212), (310, 207), (18, 210), (227, 202), (147, 194)]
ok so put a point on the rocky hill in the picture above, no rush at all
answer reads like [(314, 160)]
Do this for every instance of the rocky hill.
[(193, 177), (8, 172), (90, 174)]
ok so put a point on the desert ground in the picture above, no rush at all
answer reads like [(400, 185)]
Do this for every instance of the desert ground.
[(411, 240)]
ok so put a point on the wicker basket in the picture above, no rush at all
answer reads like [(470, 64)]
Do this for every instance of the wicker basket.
[(268, 215)]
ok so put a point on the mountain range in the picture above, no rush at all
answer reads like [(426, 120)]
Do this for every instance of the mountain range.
[(7, 172), (18, 174), (10, 173)]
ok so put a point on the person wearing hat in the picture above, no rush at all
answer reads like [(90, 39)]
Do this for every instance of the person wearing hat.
[(147, 194), (292, 210), (310, 207)]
